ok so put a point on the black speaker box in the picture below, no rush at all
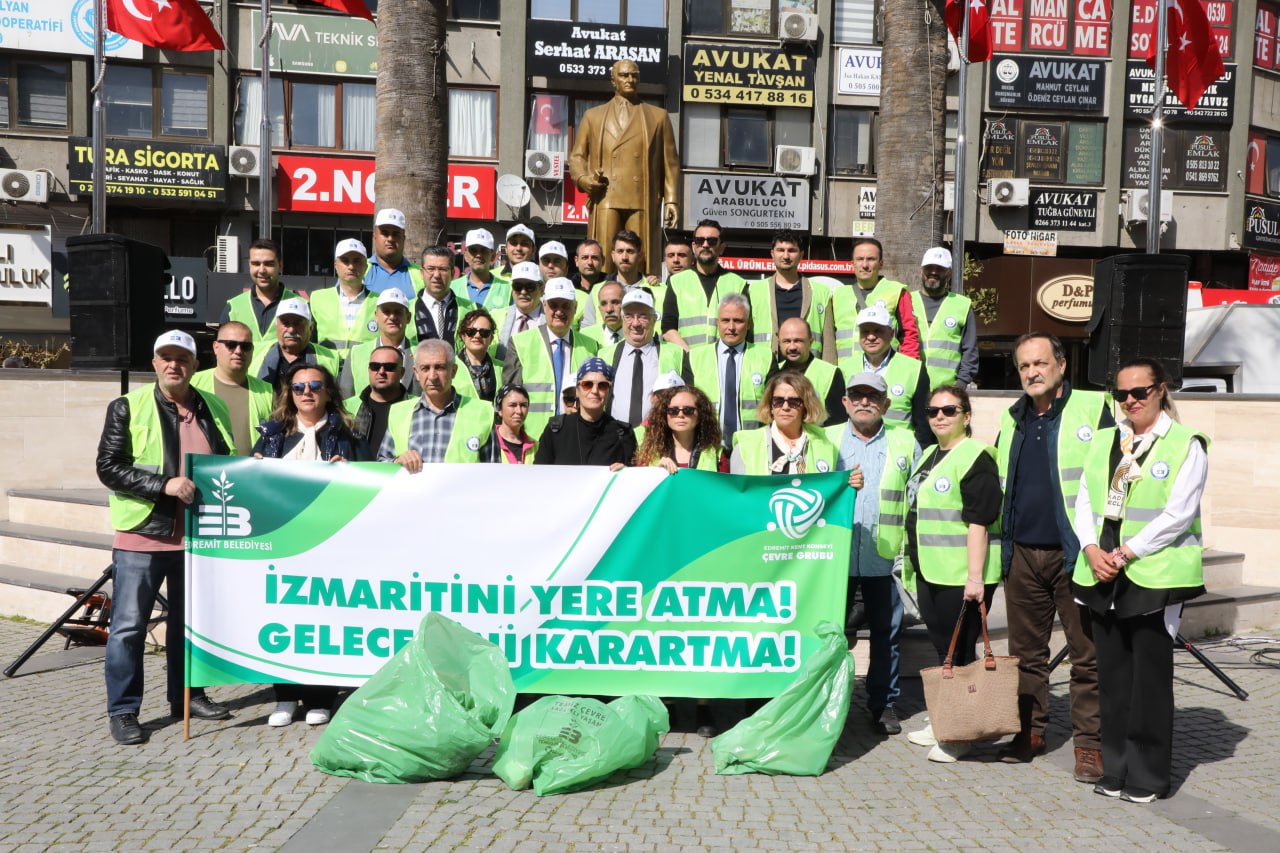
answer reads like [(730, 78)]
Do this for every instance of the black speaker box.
[(1139, 311), (117, 300)]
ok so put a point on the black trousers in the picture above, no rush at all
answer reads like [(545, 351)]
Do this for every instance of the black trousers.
[(312, 696), (940, 608), (1135, 681)]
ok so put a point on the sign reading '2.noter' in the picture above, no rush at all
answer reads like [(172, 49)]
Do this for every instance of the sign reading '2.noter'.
[(773, 76)]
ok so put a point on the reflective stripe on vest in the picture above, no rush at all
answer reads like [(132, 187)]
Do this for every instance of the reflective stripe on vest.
[(942, 536), (538, 374), (753, 369), (900, 451), (755, 448), (765, 321), (821, 374), (332, 329), (697, 313), (261, 398), (472, 425), (940, 340), (844, 304), (240, 309), (902, 376)]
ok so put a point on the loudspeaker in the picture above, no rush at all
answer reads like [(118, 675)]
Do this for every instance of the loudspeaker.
[(1139, 311), (117, 300)]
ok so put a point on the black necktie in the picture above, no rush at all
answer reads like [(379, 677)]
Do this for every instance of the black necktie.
[(637, 388), (730, 404)]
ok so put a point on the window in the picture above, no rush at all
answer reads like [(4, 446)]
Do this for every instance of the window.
[(474, 10), (309, 114), (549, 128), (719, 136), (131, 93), (35, 93), (852, 142), (737, 17), (1043, 150), (309, 250), (633, 13), (858, 22), (473, 123)]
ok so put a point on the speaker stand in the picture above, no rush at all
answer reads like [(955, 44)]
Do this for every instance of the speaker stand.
[(124, 382)]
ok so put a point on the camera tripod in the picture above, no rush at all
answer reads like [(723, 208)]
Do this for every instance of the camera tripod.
[(1182, 642)]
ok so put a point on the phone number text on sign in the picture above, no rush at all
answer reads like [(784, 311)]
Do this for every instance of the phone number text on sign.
[(346, 185)]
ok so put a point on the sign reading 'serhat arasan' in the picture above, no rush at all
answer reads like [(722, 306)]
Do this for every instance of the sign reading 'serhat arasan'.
[(58, 26), (588, 51), (759, 203)]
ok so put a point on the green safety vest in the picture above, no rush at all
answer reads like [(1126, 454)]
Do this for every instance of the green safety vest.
[(1077, 424), (753, 368), (498, 295), (844, 302), (754, 446), (697, 314), (820, 374), (146, 442), (539, 377), (941, 535), (261, 397), (331, 328), (359, 358), (240, 309), (472, 425), (325, 358), (1177, 565), (462, 382), (902, 377), (940, 340), (596, 333), (659, 292), (900, 453), (759, 292)]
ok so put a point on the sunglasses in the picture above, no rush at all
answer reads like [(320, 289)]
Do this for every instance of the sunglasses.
[(705, 241), (383, 366), (601, 385), (314, 384), (478, 333), (236, 345), (679, 411), (786, 403), (523, 288), (1139, 394), (949, 411)]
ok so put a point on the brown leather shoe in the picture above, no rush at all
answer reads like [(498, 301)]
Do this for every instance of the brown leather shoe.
[(1022, 749), (1088, 765)]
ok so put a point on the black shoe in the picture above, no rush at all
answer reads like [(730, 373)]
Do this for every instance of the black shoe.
[(203, 708), (1138, 795), (126, 731), (886, 722), (1109, 787)]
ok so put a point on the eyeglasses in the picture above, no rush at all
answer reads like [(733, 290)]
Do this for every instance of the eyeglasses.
[(523, 288), (383, 366), (705, 241), (314, 384), (601, 385), (949, 411), (1139, 394), (679, 411), (236, 345), (786, 403), (478, 333)]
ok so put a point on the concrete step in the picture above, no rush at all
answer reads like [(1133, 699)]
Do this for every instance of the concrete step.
[(54, 549), (38, 595), (1223, 569), (1232, 610), (74, 509)]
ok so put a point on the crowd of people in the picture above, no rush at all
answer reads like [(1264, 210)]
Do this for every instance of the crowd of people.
[(1086, 516)]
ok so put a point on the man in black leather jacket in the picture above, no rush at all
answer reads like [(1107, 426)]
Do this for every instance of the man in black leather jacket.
[(144, 439)]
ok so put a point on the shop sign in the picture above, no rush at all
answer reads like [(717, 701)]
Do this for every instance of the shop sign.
[(588, 51), (26, 265), (748, 74), (346, 185), (1064, 209), (755, 203), (1264, 272), (859, 71), (1022, 242), (150, 170), (316, 44), (58, 26), (1214, 107), (1047, 83), (1068, 298), (864, 228), (1261, 225), (866, 202)]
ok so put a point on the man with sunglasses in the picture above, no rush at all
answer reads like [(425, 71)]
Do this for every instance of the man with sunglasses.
[(1044, 439), (392, 317), (249, 400), (438, 306), (906, 377), (693, 297), (371, 408), (481, 285), (948, 330), (293, 342), (344, 313), (525, 311)]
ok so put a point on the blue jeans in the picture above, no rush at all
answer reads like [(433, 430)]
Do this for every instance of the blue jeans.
[(134, 585), (884, 619)]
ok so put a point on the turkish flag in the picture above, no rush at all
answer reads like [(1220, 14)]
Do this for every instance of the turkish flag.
[(548, 115), (354, 8), (167, 24), (1192, 62), (981, 44)]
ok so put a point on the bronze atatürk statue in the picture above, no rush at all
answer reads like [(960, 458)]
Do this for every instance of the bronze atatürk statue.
[(624, 159)]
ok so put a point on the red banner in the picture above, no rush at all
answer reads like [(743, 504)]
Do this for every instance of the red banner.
[(1006, 25), (1264, 39), (811, 267), (1255, 180), (1142, 26), (574, 207), (346, 185)]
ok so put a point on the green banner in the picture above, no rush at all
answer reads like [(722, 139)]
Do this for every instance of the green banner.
[(590, 581), (316, 44)]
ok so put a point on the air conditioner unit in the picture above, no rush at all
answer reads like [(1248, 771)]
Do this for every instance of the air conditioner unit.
[(797, 25), (1008, 192), (948, 195), (21, 185), (243, 161), (543, 165), (794, 160), (1137, 206), (228, 255)]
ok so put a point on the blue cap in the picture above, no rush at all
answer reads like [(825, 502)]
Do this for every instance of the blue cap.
[(595, 365)]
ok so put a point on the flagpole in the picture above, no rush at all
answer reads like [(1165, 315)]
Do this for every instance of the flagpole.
[(264, 135), (1157, 134), (98, 204), (957, 243)]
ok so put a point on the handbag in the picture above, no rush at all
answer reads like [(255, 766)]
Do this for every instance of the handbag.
[(976, 701)]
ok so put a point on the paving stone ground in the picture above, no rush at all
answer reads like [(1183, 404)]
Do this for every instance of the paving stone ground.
[(239, 785)]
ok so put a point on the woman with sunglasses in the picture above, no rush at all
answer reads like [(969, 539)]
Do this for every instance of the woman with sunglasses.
[(792, 440), (953, 497), (1137, 516), (308, 424), (476, 375), (682, 432), (516, 446), (589, 436)]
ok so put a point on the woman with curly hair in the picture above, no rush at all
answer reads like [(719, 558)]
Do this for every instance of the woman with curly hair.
[(683, 432)]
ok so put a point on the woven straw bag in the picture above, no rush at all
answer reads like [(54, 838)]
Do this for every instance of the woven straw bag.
[(977, 701)]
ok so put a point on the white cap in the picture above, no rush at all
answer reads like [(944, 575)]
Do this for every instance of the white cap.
[(637, 296), (553, 247), (293, 307), (389, 216), (350, 245), (526, 271), (670, 379), (175, 338), (393, 296), (479, 237), (877, 314), (558, 288), (522, 229), (937, 257)]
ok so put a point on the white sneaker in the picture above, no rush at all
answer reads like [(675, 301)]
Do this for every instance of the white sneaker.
[(924, 737), (948, 753), (283, 714), (317, 716)]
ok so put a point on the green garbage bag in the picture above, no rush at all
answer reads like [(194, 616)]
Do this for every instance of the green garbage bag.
[(426, 714), (796, 731), (561, 744)]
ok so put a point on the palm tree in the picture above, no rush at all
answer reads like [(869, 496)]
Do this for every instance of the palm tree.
[(413, 117), (912, 133)]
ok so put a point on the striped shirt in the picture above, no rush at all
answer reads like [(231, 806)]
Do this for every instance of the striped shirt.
[(429, 433)]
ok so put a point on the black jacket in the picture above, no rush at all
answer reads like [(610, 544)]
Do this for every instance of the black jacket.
[(117, 472), (334, 438)]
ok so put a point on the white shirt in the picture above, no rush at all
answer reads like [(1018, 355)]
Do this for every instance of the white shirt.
[(621, 408), (536, 318)]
